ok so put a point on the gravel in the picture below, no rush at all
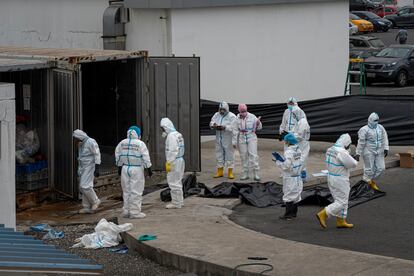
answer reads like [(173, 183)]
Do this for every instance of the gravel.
[(114, 264)]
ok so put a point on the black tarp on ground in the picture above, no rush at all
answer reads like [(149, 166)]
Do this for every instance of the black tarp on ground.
[(330, 117), (190, 187), (270, 193)]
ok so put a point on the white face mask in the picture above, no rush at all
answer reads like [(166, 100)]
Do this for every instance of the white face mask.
[(164, 134)]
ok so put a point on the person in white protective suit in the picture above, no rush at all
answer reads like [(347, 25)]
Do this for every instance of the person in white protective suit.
[(302, 134), (223, 122), (339, 163), (373, 146), (291, 165), (89, 157), (132, 159), (175, 164), (245, 138), (291, 117)]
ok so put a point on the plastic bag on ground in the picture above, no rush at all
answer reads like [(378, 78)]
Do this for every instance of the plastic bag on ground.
[(107, 234)]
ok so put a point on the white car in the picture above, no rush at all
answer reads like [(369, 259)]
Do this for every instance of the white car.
[(353, 29)]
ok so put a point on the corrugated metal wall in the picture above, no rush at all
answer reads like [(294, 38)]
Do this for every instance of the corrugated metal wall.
[(64, 84), (173, 92)]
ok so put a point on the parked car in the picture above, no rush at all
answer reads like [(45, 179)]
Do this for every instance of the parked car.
[(392, 64), (387, 10), (353, 29), (364, 46), (380, 24), (403, 18), (363, 25), (363, 5)]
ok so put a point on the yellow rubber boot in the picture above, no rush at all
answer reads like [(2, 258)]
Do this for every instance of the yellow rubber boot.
[(373, 185), (341, 223), (220, 173), (230, 173), (322, 216)]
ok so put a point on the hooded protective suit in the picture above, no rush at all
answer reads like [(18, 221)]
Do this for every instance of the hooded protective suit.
[(291, 117), (88, 156), (132, 155), (291, 167), (302, 134), (372, 142), (244, 135), (174, 154), (224, 148), (339, 163)]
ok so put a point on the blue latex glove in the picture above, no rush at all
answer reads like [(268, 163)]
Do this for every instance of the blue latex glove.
[(278, 157)]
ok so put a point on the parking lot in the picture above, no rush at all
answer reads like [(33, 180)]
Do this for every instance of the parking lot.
[(389, 88)]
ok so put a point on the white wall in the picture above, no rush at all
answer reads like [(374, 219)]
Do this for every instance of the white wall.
[(148, 30), (265, 54), (7, 155), (52, 23)]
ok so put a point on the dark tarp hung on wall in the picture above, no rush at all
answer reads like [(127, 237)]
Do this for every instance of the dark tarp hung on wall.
[(331, 117), (270, 193)]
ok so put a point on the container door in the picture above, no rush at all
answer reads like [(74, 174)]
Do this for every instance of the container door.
[(173, 92), (66, 110)]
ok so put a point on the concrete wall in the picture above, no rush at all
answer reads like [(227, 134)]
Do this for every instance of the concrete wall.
[(263, 54), (52, 23), (7, 155), (148, 30)]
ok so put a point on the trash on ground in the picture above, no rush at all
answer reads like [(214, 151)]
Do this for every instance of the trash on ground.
[(53, 235), (119, 250), (107, 234), (147, 237)]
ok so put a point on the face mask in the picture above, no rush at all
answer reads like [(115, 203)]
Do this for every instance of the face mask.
[(243, 114), (222, 111), (164, 134), (373, 124), (290, 107)]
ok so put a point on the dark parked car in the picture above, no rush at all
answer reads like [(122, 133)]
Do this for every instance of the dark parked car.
[(403, 18), (392, 64), (380, 24), (363, 5)]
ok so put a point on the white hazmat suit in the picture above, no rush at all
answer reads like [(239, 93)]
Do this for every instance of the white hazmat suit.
[(291, 168), (246, 139), (88, 157), (224, 148), (339, 163), (302, 134), (132, 155), (291, 116), (372, 144), (175, 165)]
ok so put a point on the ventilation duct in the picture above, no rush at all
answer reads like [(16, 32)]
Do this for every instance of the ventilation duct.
[(114, 18)]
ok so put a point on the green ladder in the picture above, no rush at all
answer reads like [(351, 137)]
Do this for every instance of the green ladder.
[(360, 76)]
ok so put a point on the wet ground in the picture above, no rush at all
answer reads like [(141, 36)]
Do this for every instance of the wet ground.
[(383, 226)]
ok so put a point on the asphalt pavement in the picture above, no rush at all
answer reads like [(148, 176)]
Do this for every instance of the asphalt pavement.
[(383, 226), (389, 88)]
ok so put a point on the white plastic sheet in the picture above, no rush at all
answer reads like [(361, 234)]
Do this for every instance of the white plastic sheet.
[(107, 234)]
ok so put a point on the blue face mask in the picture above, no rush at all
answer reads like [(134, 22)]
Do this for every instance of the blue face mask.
[(290, 107)]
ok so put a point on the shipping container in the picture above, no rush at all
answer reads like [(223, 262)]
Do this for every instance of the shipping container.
[(103, 92)]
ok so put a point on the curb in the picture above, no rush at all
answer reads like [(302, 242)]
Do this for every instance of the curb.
[(181, 262)]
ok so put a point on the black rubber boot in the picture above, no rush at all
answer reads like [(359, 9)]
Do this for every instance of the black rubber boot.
[(295, 210), (289, 211)]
